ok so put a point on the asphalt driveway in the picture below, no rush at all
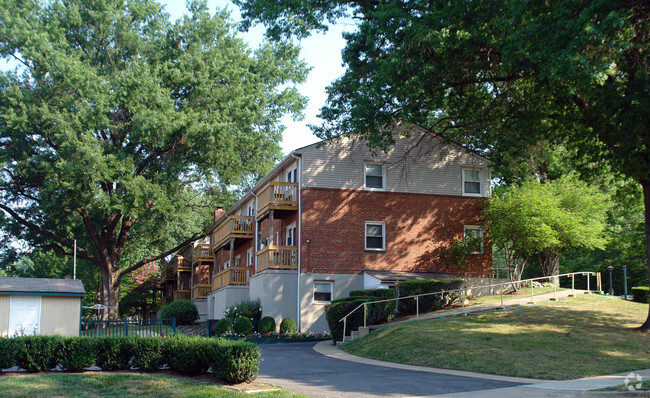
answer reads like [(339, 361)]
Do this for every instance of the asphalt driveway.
[(297, 367)]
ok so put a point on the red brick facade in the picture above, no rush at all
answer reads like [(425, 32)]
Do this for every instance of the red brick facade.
[(417, 228)]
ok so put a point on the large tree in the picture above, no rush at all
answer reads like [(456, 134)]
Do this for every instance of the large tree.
[(498, 75), (117, 123)]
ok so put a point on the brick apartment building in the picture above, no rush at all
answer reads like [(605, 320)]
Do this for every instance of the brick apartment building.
[(333, 218)]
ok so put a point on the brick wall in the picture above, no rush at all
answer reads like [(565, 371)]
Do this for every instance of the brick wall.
[(418, 226)]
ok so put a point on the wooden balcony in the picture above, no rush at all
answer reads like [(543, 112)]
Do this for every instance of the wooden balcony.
[(233, 227), (202, 252), (232, 276), (182, 295), (278, 196), (277, 257), (178, 264), (201, 291)]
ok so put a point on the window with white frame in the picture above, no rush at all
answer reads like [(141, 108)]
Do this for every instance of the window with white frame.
[(250, 260), (473, 235), (291, 234), (226, 265), (238, 261), (292, 174), (471, 181), (375, 235), (323, 291), (375, 176)]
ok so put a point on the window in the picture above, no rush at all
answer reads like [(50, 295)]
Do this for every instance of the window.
[(238, 261), (226, 264), (375, 176), (291, 234), (323, 291), (292, 175), (250, 260), (375, 235), (474, 237), (251, 209), (471, 182)]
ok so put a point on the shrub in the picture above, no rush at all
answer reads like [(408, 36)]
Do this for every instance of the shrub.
[(641, 294), (380, 312), (287, 326), (267, 324), (147, 353), (6, 353), (37, 353), (184, 311), (223, 326), (243, 325), (251, 309), (114, 353), (339, 308), (187, 354), (77, 353), (234, 361), (426, 303)]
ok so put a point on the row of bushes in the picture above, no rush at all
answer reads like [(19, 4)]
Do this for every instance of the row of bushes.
[(233, 361), (244, 326), (641, 294), (379, 313)]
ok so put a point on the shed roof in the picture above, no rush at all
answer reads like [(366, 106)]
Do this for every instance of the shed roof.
[(58, 287)]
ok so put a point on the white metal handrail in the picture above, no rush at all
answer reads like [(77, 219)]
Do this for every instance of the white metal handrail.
[(463, 294)]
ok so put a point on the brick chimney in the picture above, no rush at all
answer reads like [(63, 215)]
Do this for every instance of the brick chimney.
[(218, 213)]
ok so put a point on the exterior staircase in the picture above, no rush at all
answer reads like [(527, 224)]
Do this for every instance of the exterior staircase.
[(192, 330)]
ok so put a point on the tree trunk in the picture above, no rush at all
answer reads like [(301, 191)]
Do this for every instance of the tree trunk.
[(549, 262), (646, 202), (110, 292)]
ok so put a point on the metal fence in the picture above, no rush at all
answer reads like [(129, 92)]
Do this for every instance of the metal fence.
[(128, 327), (495, 288)]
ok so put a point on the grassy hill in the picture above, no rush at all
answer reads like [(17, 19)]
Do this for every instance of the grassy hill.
[(572, 338)]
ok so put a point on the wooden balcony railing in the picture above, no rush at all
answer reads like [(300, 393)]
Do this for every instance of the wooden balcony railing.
[(201, 290), (202, 252), (178, 264), (182, 295), (231, 276), (181, 263), (277, 257), (234, 227), (278, 195)]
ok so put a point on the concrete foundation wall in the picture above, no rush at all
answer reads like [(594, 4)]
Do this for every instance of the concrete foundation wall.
[(202, 306), (277, 290), (312, 311), (225, 297)]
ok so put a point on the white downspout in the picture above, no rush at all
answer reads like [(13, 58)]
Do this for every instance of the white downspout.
[(299, 158)]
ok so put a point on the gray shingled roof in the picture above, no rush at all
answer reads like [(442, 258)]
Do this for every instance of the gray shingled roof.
[(41, 285)]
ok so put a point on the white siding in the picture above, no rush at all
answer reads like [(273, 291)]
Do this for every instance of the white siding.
[(428, 166)]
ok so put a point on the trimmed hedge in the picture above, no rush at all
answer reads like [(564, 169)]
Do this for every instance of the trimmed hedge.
[(381, 312), (341, 307), (6, 353), (223, 326), (243, 325), (426, 303), (114, 353), (288, 326), (184, 311), (267, 325), (77, 353), (234, 361), (641, 294), (382, 294), (37, 353)]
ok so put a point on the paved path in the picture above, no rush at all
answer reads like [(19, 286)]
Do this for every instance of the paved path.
[(323, 370)]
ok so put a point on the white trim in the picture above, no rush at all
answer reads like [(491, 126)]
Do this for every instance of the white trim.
[(238, 260), (287, 234), (330, 284), (383, 176), (383, 235), (480, 181), (480, 234)]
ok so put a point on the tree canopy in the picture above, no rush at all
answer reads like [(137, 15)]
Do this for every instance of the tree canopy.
[(497, 75), (120, 128)]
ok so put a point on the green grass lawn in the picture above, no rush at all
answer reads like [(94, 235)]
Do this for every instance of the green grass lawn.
[(572, 338), (117, 385)]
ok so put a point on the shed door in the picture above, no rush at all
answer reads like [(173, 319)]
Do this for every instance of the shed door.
[(25, 315)]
